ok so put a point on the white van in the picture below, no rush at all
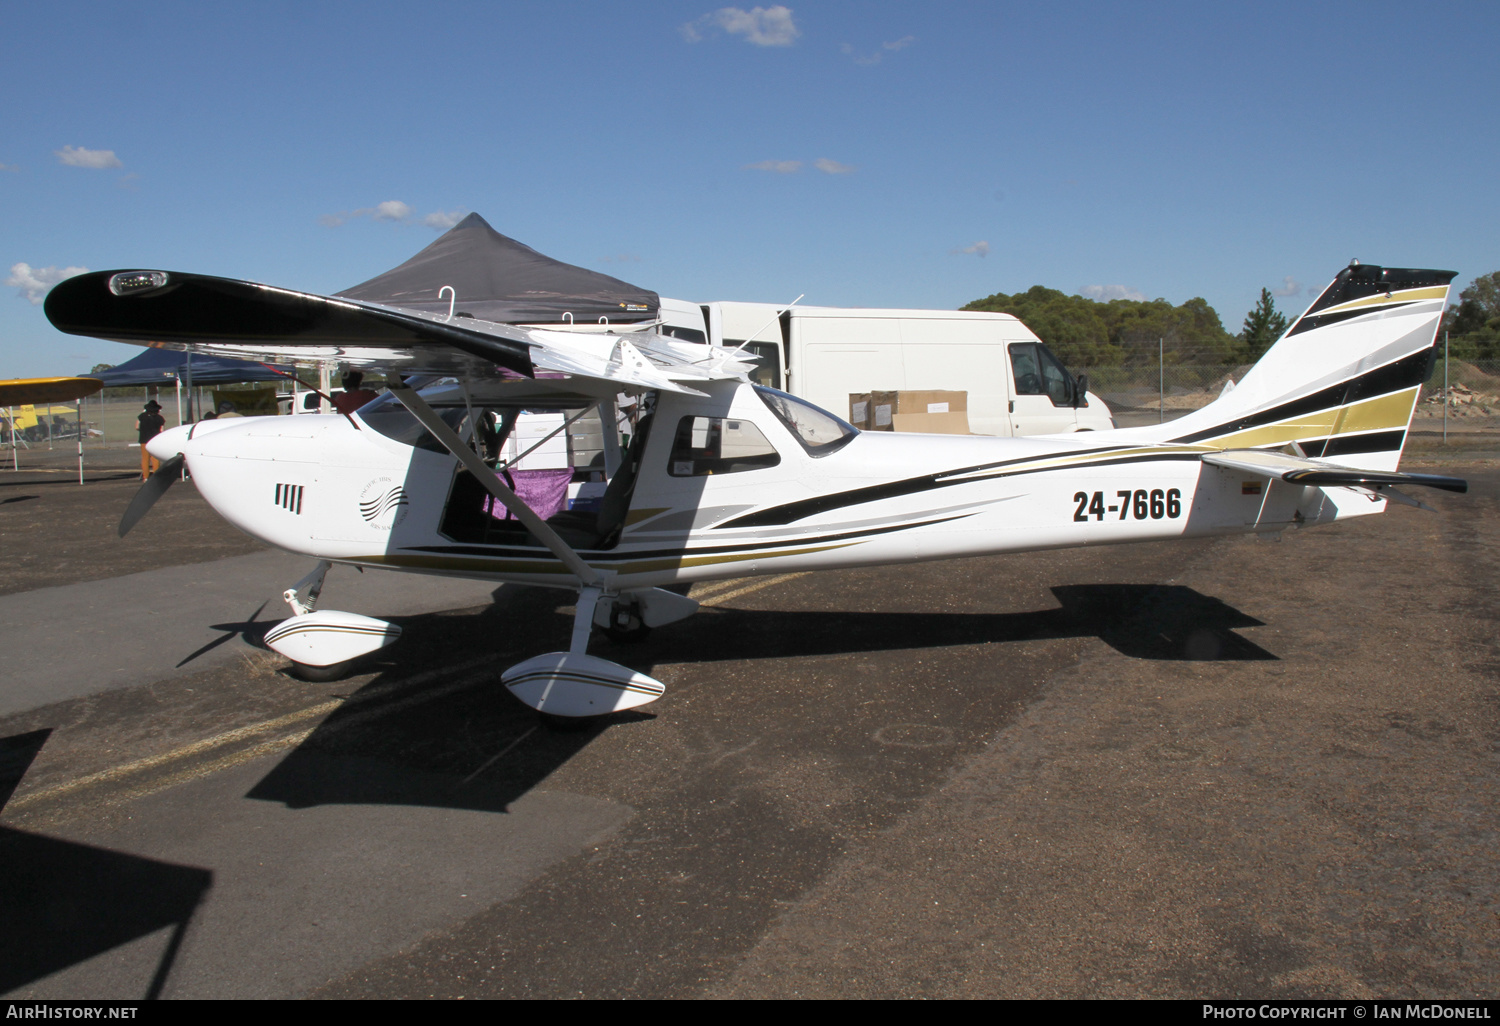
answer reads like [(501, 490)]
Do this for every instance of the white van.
[(1015, 385)]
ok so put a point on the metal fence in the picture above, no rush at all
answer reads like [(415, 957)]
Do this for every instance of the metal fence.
[(1172, 388)]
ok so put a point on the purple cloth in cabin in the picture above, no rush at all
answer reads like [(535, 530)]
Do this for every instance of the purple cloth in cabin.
[(545, 491)]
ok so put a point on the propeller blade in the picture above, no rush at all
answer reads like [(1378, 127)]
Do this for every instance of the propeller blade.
[(154, 488)]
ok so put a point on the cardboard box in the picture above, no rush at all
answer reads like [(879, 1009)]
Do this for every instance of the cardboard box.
[(951, 423), (859, 410), (926, 410)]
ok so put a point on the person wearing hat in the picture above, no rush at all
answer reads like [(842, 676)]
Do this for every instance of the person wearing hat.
[(354, 394), (150, 424)]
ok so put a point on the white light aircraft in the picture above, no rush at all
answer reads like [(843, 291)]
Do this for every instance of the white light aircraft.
[(721, 478)]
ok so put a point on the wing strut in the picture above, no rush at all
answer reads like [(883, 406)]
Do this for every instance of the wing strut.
[(486, 477)]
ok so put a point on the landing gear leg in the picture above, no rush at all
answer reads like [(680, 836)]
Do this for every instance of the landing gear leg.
[(313, 582)]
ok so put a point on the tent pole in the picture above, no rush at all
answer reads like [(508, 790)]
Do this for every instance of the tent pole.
[(80, 441), (179, 402), (188, 365), (14, 458)]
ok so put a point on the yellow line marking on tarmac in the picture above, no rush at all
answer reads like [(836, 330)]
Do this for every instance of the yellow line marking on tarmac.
[(714, 594), (229, 737), (766, 583), (186, 751)]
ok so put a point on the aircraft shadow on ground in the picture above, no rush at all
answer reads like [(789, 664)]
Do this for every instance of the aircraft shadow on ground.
[(64, 902), (475, 747), (1143, 621)]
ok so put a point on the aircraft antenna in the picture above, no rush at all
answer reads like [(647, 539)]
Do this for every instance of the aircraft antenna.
[(772, 321)]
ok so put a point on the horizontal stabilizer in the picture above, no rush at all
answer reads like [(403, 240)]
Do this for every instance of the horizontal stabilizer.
[(1303, 471)]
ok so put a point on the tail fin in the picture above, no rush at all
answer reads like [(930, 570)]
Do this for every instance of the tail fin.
[(1342, 383)]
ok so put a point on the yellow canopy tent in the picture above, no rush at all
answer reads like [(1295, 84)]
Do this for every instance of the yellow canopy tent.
[(30, 391)]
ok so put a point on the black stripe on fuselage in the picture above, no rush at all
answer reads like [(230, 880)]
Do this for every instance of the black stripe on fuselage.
[(1406, 372), (1348, 445), (794, 511), (873, 493), (673, 553), (1310, 321)]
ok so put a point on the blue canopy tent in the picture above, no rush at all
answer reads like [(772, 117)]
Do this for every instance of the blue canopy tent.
[(157, 366), (160, 366)]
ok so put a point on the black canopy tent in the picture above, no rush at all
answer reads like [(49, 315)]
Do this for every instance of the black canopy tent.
[(473, 269)]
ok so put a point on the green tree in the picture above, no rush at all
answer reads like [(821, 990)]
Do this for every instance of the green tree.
[(1263, 326), (1473, 323), (101, 367), (1088, 333)]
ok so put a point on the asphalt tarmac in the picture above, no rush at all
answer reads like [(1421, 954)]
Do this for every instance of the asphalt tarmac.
[(1228, 768)]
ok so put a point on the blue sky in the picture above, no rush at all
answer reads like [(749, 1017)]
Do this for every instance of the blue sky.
[(865, 154)]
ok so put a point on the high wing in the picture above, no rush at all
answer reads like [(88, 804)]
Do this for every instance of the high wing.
[(1270, 463), (247, 320)]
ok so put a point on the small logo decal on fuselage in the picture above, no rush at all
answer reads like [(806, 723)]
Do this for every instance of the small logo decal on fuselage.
[(383, 503)]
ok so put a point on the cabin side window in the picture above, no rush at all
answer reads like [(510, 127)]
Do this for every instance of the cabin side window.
[(718, 445)]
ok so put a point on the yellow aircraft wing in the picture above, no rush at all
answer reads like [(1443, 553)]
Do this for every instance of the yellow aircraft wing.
[(28, 391)]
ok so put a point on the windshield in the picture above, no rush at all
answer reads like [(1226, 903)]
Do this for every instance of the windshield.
[(819, 431), (385, 414)]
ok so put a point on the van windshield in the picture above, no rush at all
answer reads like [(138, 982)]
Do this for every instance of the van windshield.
[(819, 431)]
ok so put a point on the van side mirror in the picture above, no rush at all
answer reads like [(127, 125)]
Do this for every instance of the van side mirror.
[(1081, 396)]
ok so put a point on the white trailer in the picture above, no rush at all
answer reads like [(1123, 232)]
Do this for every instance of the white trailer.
[(1015, 385)]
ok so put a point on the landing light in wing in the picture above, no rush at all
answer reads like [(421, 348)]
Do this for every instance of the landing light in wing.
[(131, 283)]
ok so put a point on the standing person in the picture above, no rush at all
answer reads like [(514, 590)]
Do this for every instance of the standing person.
[(353, 396), (150, 424)]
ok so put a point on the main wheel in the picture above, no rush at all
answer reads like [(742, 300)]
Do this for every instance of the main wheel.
[(625, 626)]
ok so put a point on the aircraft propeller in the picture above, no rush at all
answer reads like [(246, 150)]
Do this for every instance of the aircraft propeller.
[(154, 488)]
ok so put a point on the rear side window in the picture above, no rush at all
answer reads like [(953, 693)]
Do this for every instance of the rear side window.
[(719, 445)]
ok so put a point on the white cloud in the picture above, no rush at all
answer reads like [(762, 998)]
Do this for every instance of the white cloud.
[(34, 283), (77, 156), (442, 220), (847, 49), (1290, 287), (833, 167), (1104, 293), (10, 167), (391, 210), (396, 212), (781, 167), (762, 26), (980, 249)]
